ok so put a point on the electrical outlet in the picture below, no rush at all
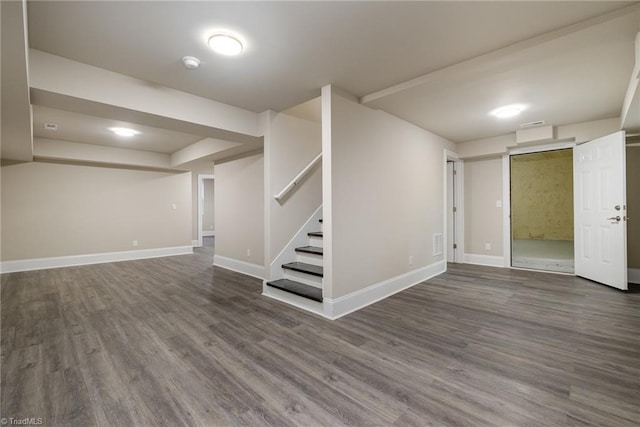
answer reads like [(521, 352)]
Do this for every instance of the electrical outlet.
[(498, 203), (487, 246), (134, 243), (411, 260), (248, 253), (174, 206)]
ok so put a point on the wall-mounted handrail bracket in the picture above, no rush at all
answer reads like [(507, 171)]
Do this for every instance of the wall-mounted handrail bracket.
[(297, 178)]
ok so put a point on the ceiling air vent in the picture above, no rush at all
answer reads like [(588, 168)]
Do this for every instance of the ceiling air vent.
[(532, 124), (51, 126)]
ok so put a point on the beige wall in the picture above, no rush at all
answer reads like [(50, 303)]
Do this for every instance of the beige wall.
[(290, 144), (483, 220), (633, 207), (208, 217), (52, 210), (542, 195), (388, 194), (239, 209)]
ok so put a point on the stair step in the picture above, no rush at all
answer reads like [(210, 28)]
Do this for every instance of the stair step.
[(315, 234), (310, 250), (314, 270), (298, 288)]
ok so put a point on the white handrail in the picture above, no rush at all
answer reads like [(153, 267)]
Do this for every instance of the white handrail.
[(298, 178)]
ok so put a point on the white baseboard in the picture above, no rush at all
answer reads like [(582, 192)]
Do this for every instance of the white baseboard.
[(238, 266), (488, 260), (633, 275), (100, 258), (208, 233), (336, 308), (195, 243)]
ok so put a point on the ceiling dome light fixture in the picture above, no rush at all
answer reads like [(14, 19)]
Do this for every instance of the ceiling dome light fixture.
[(508, 111), (191, 62), (226, 44), (124, 132)]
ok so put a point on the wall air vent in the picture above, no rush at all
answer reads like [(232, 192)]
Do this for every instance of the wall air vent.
[(51, 126), (531, 124)]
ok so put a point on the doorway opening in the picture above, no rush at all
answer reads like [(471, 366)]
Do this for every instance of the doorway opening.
[(453, 240), (542, 211), (206, 211)]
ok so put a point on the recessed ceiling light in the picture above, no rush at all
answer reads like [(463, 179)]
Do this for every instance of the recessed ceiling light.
[(191, 62), (508, 111), (226, 44), (124, 131)]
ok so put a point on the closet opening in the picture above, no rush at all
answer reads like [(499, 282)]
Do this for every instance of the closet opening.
[(542, 218)]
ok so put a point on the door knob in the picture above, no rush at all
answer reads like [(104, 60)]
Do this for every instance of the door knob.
[(614, 218)]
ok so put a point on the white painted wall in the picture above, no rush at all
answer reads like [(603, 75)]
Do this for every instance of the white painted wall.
[(239, 210), (290, 145), (57, 210), (387, 193)]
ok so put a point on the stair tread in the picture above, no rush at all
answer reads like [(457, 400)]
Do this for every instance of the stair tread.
[(303, 267), (298, 288), (315, 234), (310, 250)]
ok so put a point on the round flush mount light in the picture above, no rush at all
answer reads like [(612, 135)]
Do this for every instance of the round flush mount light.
[(124, 132), (226, 44), (191, 62), (508, 111)]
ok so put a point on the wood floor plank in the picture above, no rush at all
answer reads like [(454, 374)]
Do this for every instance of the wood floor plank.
[(176, 341)]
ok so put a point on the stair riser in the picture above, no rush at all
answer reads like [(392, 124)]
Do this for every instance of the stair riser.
[(315, 241), (309, 258), (307, 279), (307, 304)]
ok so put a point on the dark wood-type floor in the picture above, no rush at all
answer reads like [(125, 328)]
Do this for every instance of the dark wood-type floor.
[(175, 341)]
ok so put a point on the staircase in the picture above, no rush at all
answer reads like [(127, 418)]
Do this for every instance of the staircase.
[(304, 276)]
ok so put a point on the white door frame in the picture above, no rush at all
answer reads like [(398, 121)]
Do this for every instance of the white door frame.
[(506, 191), (458, 203), (200, 198)]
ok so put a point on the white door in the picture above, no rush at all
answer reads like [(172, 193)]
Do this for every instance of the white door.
[(600, 200)]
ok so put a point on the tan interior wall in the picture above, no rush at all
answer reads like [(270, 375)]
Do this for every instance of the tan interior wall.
[(387, 196), (542, 195), (239, 209), (633, 207), (53, 210), (483, 220)]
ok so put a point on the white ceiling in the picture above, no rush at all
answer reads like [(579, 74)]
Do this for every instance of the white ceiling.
[(83, 128), (575, 78), (294, 48)]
